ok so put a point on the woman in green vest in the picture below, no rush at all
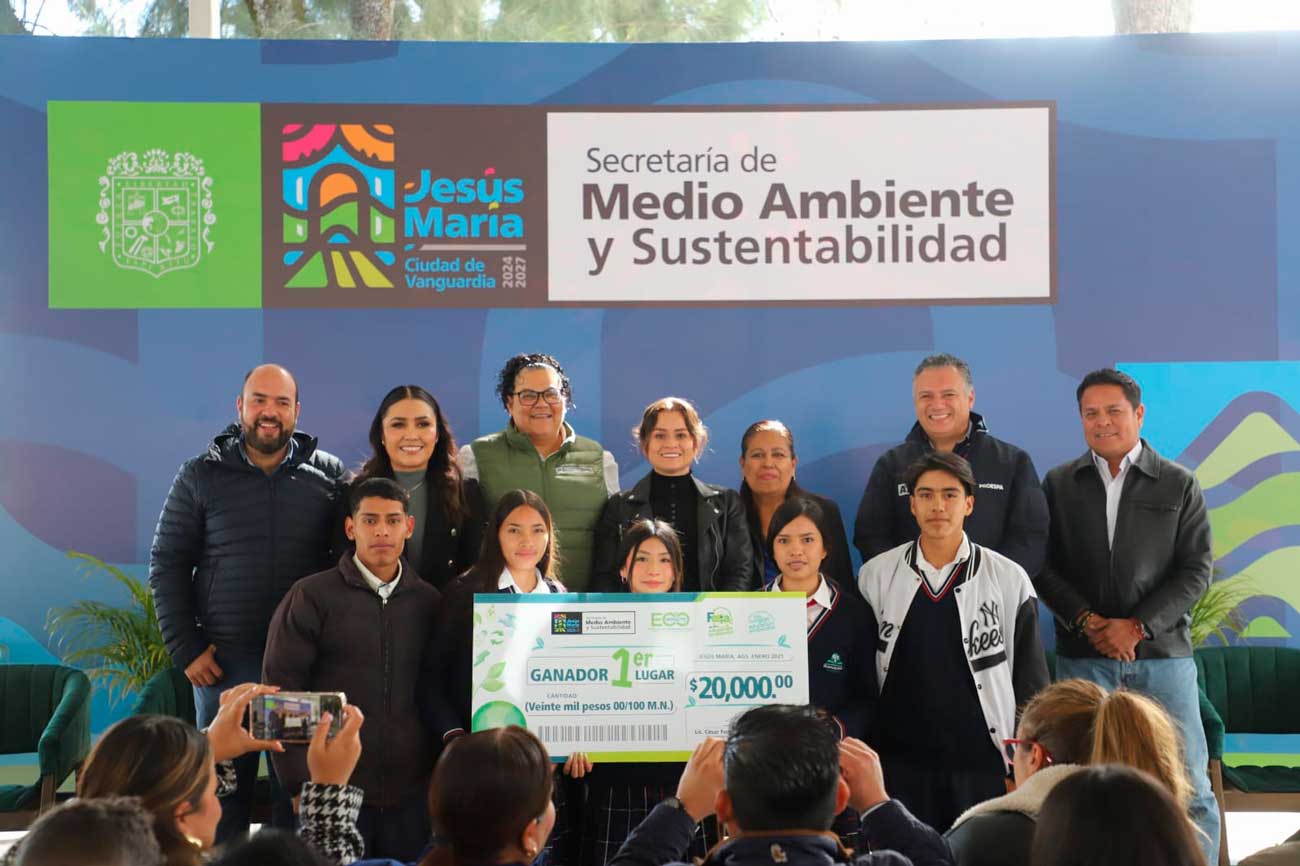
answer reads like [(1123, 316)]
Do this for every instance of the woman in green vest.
[(538, 451)]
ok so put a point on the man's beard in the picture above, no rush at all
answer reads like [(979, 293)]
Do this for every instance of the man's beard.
[(258, 440)]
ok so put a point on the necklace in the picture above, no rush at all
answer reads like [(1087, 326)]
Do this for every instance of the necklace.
[(414, 487)]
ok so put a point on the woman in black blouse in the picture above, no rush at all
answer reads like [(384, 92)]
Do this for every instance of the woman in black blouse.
[(709, 519)]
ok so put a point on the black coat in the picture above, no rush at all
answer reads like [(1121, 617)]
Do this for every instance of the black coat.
[(449, 548), (842, 661), (1160, 563), (1010, 515), (894, 836), (333, 633), (838, 565), (722, 544), (231, 540)]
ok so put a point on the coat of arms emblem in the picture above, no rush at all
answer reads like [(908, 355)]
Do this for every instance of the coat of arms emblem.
[(155, 211)]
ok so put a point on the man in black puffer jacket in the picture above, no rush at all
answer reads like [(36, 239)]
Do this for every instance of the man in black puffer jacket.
[(241, 523)]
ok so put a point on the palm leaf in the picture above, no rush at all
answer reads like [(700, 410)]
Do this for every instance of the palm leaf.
[(1217, 613), (120, 648)]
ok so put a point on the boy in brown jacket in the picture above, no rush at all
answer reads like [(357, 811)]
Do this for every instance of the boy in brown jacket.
[(361, 628)]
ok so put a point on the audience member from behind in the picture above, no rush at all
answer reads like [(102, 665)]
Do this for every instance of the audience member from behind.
[(173, 769), (1112, 815), (777, 783), (114, 831), (490, 800), (1053, 741), (271, 847), (1135, 730)]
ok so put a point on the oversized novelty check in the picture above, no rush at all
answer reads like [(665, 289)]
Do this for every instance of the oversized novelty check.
[(634, 677)]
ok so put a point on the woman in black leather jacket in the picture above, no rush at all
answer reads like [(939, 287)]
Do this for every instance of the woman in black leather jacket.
[(709, 519)]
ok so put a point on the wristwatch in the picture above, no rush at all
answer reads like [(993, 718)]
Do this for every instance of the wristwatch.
[(676, 803)]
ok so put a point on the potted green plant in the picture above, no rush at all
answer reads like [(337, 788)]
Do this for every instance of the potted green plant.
[(1217, 613), (120, 648)]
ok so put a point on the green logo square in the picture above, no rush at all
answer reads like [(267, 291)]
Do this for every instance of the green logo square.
[(155, 205)]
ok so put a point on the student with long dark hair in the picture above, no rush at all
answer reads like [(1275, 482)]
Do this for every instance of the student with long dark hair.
[(519, 555), (709, 519), (490, 800), (619, 796), (411, 442), (1113, 815), (767, 466), (841, 641)]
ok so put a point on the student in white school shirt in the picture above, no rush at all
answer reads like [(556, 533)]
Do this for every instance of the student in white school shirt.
[(519, 555)]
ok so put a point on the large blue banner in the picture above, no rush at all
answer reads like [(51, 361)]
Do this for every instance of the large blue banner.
[(1175, 177)]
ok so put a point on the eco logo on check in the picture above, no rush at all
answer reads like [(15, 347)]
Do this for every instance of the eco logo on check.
[(155, 211)]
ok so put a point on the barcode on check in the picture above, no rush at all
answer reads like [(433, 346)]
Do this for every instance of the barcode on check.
[(616, 733)]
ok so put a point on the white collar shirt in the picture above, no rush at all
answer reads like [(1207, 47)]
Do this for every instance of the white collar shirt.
[(1114, 485), (937, 578), (382, 589), (819, 601), (507, 583)]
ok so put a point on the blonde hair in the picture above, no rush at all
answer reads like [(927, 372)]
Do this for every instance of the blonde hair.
[(690, 415), (1060, 719), (1133, 729)]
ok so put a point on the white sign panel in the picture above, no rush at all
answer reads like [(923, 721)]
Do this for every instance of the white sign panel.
[(737, 206)]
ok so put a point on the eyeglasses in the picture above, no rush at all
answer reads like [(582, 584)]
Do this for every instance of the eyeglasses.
[(529, 397), (1009, 746)]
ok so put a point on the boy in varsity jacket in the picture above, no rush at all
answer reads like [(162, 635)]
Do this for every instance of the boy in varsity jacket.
[(957, 650)]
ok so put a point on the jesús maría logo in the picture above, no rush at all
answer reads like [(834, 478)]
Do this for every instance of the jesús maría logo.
[(339, 205)]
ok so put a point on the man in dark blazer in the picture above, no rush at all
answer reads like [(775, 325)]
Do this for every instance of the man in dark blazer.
[(1128, 555)]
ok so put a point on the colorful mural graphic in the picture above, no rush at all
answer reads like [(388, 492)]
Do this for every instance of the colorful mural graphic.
[(340, 205)]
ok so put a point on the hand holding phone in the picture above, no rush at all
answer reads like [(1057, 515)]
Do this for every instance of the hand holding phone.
[(226, 735), (330, 761)]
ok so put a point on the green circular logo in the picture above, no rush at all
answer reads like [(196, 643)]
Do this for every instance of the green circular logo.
[(497, 714)]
